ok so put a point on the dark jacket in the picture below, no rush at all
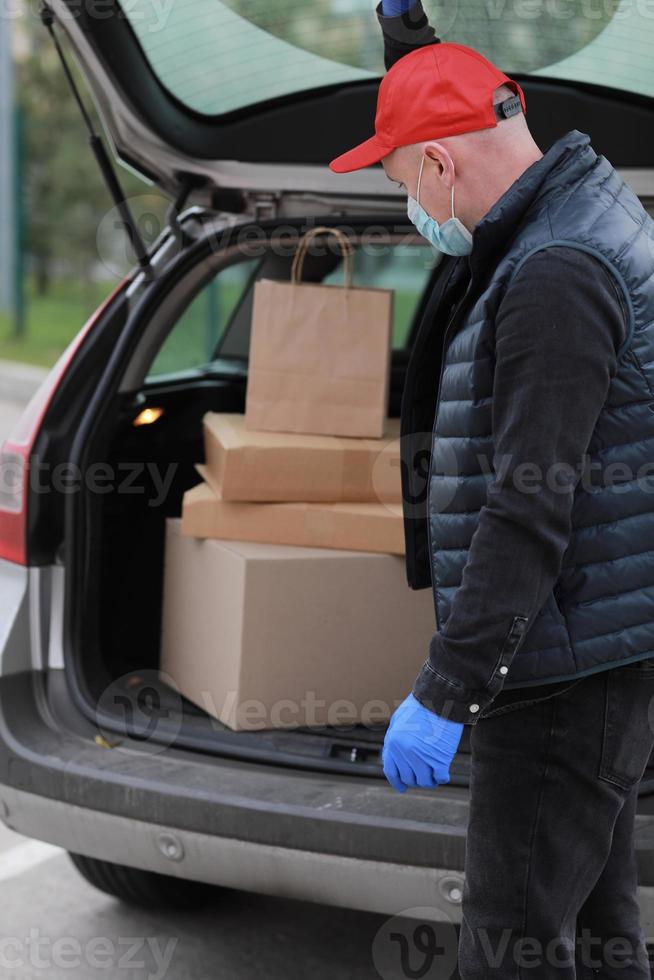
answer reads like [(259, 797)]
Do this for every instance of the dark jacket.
[(589, 562), (556, 584)]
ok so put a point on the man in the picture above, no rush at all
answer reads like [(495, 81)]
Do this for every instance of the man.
[(538, 531)]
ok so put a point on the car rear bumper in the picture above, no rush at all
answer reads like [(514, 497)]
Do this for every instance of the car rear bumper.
[(332, 879), (345, 841), (340, 840)]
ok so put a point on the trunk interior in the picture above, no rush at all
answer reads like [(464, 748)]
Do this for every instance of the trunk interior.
[(123, 549), (122, 533), (130, 590)]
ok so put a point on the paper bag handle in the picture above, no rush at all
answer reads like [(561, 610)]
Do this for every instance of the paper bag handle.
[(347, 251)]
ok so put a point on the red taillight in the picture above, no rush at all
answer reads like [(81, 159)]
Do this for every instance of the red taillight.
[(15, 451)]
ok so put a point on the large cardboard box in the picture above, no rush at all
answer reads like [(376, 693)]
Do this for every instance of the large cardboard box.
[(281, 466), (272, 636), (355, 527)]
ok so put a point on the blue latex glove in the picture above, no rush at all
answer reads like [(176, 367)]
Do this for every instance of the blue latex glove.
[(419, 746), (391, 8)]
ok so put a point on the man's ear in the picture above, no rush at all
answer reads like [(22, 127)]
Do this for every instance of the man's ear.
[(442, 160)]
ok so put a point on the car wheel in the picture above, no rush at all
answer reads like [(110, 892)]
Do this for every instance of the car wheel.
[(145, 889)]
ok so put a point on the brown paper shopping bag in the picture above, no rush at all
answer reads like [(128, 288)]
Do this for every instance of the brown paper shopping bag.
[(319, 355)]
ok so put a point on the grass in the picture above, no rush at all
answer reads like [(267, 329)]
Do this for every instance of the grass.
[(189, 343), (54, 319), (51, 321)]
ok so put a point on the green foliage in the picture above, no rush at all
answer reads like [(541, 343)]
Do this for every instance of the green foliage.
[(53, 320), (342, 31), (519, 35), (65, 197)]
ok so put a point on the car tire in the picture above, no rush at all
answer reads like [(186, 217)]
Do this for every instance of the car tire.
[(144, 889)]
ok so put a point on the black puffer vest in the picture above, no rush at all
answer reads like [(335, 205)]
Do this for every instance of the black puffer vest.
[(601, 610)]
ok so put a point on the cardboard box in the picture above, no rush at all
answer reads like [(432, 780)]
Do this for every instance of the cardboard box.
[(273, 636), (355, 527), (277, 466)]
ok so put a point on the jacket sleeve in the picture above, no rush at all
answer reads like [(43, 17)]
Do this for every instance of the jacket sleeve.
[(558, 331), (405, 32)]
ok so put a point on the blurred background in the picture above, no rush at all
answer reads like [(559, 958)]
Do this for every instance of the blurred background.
[(52, 200), (61, 250)]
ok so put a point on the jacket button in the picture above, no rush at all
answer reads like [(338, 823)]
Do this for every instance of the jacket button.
[(504, 670), (474, 708)]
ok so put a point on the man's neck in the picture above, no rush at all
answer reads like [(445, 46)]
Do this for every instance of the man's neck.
[(499, 180)]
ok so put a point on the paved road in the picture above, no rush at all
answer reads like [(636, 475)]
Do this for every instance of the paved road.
[(9, 415), (55, 926)]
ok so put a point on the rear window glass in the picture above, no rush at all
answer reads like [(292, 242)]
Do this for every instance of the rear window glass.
[(217, 61), (217, 57), (217, 322)]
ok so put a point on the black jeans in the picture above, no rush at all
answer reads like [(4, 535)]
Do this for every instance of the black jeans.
[(551, 878)]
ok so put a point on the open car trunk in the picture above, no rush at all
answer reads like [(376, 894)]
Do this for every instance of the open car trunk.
[(234, 106), (130, 590), (118, 555), (117, 546)]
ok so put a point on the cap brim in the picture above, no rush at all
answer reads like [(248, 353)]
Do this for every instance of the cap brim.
[(364, 155)]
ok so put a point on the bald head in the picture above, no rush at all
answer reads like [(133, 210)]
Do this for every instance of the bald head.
[(480, 166)]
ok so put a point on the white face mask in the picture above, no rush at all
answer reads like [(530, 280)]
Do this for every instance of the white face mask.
[(452, 237)]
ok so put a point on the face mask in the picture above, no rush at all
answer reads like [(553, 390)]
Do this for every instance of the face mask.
[(452, 237)]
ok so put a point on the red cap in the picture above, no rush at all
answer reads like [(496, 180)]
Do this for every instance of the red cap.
[(435, 91)]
